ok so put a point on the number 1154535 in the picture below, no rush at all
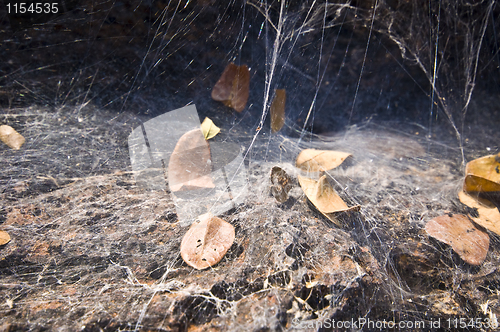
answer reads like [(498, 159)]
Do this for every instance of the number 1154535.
[(33, 8)]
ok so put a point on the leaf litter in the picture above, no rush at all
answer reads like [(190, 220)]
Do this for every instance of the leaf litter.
[(486, 214), (207, 241), (281, 184), (4, 238), (277, 110), (11, 137), (481, 190), (233, 87), (324, 197), (312, 160), (209, 129), (189, 167), (456, 230), (485, 168)]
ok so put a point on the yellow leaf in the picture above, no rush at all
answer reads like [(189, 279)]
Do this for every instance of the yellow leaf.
[(277, 110), (312, 160), (460, 233), (4, 238), (477, 184), (324, 197), (488, 215), (207, 241), (11, 137), (209, 129), (483, 174)]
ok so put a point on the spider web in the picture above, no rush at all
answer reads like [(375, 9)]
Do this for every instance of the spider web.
[(409, 89)]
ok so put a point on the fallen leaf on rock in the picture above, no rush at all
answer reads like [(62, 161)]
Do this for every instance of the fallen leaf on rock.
[(470, 243), (483, 173), (207, 241), (281, 184), (487, 213), (477, 184), (277, 110), (233, 87), (4, 238), (312, 160), (11, 137), (324, 197), (209, 129), (322, 194), (482, 178), (190, 166)]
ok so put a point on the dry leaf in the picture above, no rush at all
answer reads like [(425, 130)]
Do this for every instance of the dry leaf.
[(189, 167), (477, 184), (324, 197), (460, 233), (11, 137), (4, 238), (209, 129), (281, 184), (207, 241), (487, 213), (482, 175), (312, 160), (482, 191), (233, 87), (278, 110)]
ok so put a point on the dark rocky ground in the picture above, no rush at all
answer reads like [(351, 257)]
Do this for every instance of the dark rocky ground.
[(92, 251)]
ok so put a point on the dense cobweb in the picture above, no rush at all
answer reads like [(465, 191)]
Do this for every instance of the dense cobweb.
[(410, 89)]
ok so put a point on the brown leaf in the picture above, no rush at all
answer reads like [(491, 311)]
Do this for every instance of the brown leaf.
[(312, 160), (233, 87), (281, 184), (324, 197), (11, 137), (487, 213), (277, 110), (207, 241), (460, 233), (189, 167), (4, 238)]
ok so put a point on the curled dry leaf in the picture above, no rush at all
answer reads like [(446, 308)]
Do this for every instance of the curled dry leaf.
[(209, 129), (487, 214), (469, 242), (481, 191), (281, 184), (11, 137), (233, 87), (190, 165), (312, 160), (324, 197), (278, 110), (4, 238), (482, 176), (207, 241)]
